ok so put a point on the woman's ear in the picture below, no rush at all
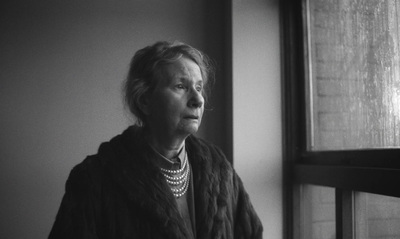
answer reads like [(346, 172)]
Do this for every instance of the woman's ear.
[(144, 104)]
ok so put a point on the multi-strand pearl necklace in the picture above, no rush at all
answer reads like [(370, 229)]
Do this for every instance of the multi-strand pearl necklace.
[(178, 180)]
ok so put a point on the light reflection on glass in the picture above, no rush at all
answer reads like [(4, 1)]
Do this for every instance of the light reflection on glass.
[(355, 74)]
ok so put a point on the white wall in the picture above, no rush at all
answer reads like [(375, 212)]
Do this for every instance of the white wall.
[(257, 140)]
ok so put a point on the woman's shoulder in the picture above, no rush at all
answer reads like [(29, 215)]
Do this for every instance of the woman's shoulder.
[(208, 153), (110, 154), (90, 170), (204, 146), (93, 166)]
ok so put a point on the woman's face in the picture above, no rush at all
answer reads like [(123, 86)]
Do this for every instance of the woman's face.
[(176, 106)]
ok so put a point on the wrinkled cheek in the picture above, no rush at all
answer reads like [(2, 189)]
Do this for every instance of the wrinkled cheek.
[(201, 118)]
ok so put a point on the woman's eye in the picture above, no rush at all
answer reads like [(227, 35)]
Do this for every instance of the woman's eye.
[(199, 88), (180, 86)]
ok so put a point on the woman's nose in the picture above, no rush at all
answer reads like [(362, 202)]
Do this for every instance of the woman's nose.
[(196, 99)]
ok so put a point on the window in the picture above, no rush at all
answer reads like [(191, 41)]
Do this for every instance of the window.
[(342, 118)]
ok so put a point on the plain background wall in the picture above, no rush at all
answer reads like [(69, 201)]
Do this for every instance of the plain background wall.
[(62, 65), (257, 139)]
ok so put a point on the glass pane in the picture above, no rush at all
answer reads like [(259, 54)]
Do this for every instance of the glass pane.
[(354, 74), (377, 216), (317, 212)]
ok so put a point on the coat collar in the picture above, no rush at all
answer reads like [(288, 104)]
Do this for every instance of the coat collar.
[(131, 168), (141, 181)]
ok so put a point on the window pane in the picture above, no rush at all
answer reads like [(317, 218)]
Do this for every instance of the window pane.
[(354, 74), (317, 212), (377, 216)]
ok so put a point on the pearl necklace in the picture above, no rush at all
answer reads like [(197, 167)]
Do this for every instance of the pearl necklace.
[(178, 180)]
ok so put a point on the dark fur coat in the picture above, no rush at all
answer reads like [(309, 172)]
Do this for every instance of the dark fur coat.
[(118, 194)]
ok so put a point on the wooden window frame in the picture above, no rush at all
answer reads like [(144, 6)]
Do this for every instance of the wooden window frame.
[(373, 170)]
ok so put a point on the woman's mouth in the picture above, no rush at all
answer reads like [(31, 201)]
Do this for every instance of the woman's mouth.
[(192, 117)]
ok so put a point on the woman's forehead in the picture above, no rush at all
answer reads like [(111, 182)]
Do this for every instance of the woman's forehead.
[(181, 69)]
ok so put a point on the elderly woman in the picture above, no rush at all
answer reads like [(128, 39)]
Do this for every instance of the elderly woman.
[(157, 180)]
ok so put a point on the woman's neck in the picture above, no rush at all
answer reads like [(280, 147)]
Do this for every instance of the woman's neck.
[(168, 147)]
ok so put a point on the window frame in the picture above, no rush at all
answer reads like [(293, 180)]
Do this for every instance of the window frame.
[(372, 170)]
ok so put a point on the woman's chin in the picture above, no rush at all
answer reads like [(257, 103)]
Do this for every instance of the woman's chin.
[(189, 128)]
